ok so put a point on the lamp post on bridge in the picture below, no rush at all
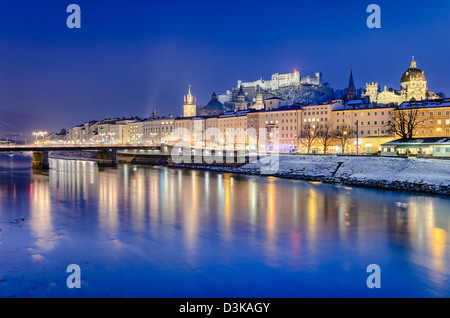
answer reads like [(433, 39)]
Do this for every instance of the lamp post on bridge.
[(39, 133)]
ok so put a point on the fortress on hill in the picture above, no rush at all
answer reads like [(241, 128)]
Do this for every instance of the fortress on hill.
[(282, 80)]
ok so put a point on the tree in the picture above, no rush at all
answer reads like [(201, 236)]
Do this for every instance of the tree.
[(404, 121), (309, 135), (325, 135), (343, 134)]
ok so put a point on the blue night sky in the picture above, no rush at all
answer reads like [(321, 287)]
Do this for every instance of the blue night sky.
[(130, 57)]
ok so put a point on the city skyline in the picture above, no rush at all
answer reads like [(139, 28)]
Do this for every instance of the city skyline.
[(129, 63), (218, 157)]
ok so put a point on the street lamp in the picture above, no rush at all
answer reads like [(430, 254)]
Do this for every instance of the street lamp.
[(40, 133)]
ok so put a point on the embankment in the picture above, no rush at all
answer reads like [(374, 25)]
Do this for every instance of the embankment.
[(414, 175)]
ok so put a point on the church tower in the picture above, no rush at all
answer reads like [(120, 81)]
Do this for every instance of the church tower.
[(259, 100), (189, 106), (351, 90), (241, 104)]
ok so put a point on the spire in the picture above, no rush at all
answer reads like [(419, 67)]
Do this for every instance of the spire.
[(189, 99), (241, 92), (351, 83), (259, 95), (413, 63), (351, 90)]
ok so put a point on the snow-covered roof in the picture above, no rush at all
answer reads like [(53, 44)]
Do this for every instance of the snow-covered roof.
[(235, 114), (419, 141), (426, 103), (355, 102)]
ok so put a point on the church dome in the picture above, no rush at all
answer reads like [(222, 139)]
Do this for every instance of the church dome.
[(214, 103), (413, 73)]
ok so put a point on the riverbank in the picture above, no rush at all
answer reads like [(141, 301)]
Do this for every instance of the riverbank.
[(403, 174)]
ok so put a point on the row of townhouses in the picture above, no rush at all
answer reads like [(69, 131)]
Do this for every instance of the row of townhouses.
[(288, 128)]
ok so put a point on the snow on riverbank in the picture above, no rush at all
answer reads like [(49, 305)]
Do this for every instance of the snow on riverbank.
[(417, 175), (430, 171)]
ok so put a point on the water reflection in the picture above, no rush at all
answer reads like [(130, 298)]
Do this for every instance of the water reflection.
[(183, 220), (41, 217)]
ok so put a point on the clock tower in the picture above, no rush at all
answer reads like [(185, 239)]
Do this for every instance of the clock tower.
[(190, 106)]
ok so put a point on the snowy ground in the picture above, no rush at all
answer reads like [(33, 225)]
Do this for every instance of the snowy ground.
[(435, 172)]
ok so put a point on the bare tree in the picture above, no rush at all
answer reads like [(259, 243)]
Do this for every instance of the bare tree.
[(309, 135), (343, 134), (404, 121), (326, 136)]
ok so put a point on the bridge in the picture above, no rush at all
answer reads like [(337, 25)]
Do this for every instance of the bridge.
[(106, 155)]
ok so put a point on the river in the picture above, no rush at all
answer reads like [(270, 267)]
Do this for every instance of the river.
[(140, 231)]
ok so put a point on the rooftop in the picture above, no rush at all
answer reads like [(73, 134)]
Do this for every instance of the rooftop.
[(419, 141)]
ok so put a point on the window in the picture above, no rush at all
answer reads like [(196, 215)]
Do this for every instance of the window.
[(431, 113)]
